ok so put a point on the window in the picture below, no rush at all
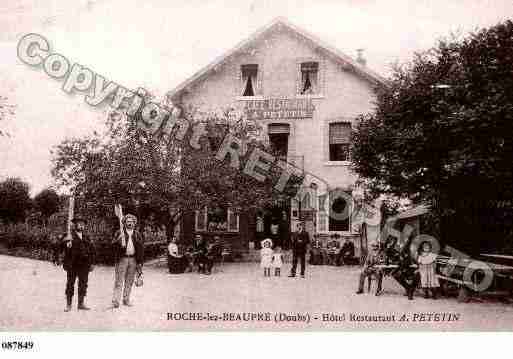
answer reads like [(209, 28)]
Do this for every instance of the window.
[(309, 78), (217, 219), (249, 79), (340, 137), (340, 210), (279, 138)]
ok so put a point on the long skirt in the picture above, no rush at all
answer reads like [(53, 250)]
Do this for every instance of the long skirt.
[(177, 264)]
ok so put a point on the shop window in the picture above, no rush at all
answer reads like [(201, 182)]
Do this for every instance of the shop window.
[(339, 140), (216, 219), (339, 211), (309, 78), (249, 79)]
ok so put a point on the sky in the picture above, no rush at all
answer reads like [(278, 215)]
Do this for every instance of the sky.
[(157, 44)]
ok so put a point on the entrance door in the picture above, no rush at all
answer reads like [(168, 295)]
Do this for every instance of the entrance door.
[(274, 223), (279, 138)]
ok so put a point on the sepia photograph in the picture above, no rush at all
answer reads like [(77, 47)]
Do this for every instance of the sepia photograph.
[(255, 165)]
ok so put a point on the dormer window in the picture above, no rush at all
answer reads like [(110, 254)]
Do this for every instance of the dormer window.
[(249, 74), (309, 78)]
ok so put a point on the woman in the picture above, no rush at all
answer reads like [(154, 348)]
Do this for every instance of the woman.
[(176, 262)]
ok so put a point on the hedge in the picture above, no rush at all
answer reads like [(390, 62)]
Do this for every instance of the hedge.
[(35, 242)]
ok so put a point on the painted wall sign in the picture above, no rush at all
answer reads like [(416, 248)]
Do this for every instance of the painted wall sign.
[(279, 108)]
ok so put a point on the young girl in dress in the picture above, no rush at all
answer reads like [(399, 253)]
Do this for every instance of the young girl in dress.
[(427, 270), (277, 261), (266, 256)]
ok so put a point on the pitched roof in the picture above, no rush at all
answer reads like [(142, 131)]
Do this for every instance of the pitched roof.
[(336, 54)]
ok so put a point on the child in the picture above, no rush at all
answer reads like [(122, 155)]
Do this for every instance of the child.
[(266, 256), (277, 260), (427, 269)]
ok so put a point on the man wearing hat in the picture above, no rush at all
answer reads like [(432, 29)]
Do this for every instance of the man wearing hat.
[(300, 242), (128, 249), (79, 257), (370, 270)]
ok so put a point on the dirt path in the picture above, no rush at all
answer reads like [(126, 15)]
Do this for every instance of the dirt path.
[(32, 298)]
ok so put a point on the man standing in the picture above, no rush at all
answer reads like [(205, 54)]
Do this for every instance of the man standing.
[(79, 256), (128, 248), (300, 242)]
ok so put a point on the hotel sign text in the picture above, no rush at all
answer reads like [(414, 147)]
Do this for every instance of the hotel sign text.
[(279, 108)]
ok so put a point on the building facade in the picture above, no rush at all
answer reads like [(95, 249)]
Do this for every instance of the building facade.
[(307, 96)]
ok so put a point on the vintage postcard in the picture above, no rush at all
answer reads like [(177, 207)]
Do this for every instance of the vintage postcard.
[(256, 165)]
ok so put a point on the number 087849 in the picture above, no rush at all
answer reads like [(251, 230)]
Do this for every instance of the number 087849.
[(14, 345)]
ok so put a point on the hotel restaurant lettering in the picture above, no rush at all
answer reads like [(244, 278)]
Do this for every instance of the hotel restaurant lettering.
[(307, 96), (279, 108)]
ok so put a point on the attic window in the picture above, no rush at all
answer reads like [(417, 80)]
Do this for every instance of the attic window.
[(309, 78), (249, 79)]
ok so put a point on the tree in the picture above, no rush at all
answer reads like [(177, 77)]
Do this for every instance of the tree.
[(47, 202), (441, 134), (14, 200), (155, 174)]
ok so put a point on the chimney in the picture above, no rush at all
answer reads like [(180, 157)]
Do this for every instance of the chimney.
[(360, 59)]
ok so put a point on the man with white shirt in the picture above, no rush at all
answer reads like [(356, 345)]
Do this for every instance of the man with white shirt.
[(129, 256)]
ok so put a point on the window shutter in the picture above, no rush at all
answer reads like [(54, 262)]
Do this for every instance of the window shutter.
[(259, 90), (233, 221), (322, 214), (340, 133), (239, 87), (299, 79), (322, 222), (274, 128), (201, 220)]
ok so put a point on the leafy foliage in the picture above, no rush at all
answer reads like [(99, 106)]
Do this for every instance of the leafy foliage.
[(155, 175), (47, 202), (15, 200), (441, 134)]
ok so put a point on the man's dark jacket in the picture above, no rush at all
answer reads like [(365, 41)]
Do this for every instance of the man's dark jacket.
[(120, 252), (300, 242), (347, 249), (82, 253)]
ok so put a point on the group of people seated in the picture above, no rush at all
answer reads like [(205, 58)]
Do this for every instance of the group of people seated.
[(386, 259), (335, 252), (200, 255)]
